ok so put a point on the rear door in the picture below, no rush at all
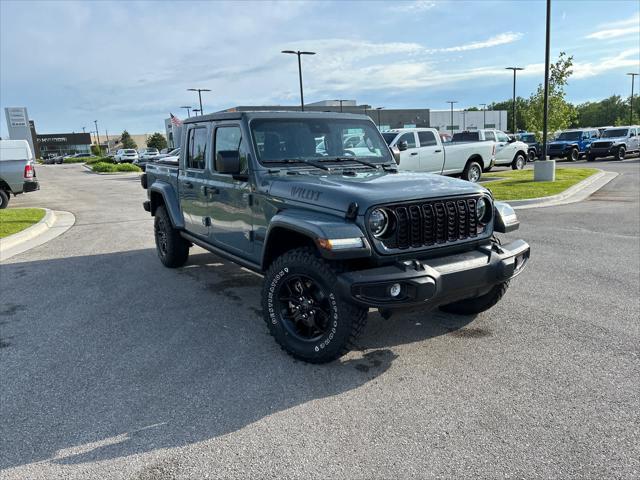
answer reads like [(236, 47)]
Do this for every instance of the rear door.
[(431, 153), (192, 178), (409, 158), (230, 196)]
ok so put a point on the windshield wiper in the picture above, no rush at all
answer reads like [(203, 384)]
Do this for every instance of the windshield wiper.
[(307, 161), (351, 159)]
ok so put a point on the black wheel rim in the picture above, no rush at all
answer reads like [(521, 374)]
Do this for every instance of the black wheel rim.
[(621, 154), (161, 238), (304, 307), (574, 155)]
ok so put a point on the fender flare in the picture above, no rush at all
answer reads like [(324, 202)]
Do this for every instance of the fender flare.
[(170, 198)]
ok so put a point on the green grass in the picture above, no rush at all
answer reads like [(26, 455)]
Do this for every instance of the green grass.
[(14, 220), (104, 167), (519, 184)]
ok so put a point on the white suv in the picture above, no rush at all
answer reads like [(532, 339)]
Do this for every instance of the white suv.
[(127, 155)]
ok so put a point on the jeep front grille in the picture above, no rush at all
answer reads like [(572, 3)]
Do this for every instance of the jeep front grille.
[(601, 144), (424, 224)]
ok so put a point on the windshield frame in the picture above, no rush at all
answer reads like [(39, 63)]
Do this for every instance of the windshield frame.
[(625, 130), (385, 158)]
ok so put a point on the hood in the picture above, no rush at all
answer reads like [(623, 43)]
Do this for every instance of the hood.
[(337, 191), (611, 139), (563, 142)]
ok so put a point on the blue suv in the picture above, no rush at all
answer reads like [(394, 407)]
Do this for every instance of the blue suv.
[(571, 144)]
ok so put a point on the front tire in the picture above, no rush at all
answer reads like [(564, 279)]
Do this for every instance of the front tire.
[(531, 155), (472, 306), (573, 155), (4, 199), (472, 172), (172, 249), (304, 311), (519, 162), (620, 154)]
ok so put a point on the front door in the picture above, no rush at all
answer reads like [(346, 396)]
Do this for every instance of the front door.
[(192, 178), (431, 155), (409, 158), (230, 196), (505, 151)]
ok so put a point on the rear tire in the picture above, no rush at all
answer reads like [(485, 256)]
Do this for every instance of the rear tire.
[(573, 155), (304, 311), (4, 199), (519, 162), (531, 155), (172, 249), (472, 306), (621, 153), (472, 171)]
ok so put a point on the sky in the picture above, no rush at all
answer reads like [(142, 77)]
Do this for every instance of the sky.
[(129, 64)]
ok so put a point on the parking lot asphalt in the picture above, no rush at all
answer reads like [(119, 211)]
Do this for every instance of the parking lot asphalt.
[(112, 366)]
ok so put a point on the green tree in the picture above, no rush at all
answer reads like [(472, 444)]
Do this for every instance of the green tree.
[(157, 140), (561, 113), (127, 141), (96, 150), (609, 111), (521, 107)]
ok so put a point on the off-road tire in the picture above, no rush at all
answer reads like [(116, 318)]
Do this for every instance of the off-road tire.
[(471, 306), (172, 249), (349, 320), (531, 155), (573, 155), (4, 199), (472, 171), (519, 162), (621, 153)]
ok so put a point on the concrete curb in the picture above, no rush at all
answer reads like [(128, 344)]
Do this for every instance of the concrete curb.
[(576, 193), (87, 167), (52, 225)]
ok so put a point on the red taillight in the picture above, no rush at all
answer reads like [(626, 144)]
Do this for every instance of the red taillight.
[(28, 171)]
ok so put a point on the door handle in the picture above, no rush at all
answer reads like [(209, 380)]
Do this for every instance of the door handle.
[(188, 185), (209, 190), (437, 151), (414, 153)]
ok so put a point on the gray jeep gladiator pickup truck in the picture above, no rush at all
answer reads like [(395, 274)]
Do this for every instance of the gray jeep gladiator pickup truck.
[(334, 230)]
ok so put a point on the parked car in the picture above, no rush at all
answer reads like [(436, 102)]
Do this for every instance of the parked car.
[(572, 144), (422, 150), (335, 234), (534, 146), (53, 160), (126, 155), (508, 151), (148, 153), (616, 142), (143, 161), (17, 170)]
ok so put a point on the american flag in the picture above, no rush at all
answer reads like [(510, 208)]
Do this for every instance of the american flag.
[(175, 121)]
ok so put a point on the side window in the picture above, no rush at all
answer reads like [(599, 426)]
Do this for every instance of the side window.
[(502, 137), (197, 148), (408, 137), (227, 142), (489, 135), (427, 139)]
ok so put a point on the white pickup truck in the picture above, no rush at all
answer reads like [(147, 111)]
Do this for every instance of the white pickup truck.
[(508, 151), (422, 150)]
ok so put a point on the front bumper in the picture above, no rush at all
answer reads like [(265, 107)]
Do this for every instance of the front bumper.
[(435, 282), (604, 151)]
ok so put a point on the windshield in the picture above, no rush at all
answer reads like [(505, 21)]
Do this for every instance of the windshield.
[(174, 152), (528, 138), (128, 152), (277, 140), (616, 132), (389, 136), (569, 136)]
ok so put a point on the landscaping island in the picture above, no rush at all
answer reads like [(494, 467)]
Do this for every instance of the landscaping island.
[(14, 220), (519, 184)]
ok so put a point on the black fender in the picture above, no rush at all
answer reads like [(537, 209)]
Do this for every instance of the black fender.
[(163, 193), (315, 227)]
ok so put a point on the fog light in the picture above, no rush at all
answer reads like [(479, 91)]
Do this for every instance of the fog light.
[(395, 289)]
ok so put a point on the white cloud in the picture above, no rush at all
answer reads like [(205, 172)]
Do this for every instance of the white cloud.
[(621, 28), (501, 39), (626, 58), (414, 6)]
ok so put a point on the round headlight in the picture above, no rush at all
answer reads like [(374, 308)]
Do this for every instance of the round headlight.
[(483, 210), (378, 222)]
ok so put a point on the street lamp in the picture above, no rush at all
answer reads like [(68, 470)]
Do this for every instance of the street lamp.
[(545, 170), (484, 115), (340, 103), (196, 110), (83, 130), (378, 109), (199, 90), (451, 102), (299, 53), (515, 69), (97, 134), (365, 108), (188, 107), (633, 77)]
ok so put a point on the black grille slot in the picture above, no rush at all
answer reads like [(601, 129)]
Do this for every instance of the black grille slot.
[(422, 224)]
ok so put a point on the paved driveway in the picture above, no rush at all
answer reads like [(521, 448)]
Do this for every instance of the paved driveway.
[(112, 366)]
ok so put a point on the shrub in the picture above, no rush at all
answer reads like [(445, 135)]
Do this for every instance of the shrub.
[(74, 160), (127, 167), (102, 167), (94, 160)]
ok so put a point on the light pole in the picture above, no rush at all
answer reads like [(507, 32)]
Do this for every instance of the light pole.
[(378, 109), (545, 170), (188, 107), (195, 111), (633, 77), (365, 108), (340, 104), (484, 115), (299, 53), (199, 90), (451, 102), (106, 132), (97, 134), (464, 119), (515, 69), (83, 130)]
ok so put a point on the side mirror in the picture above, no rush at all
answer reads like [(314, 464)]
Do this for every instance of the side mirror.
[(396, 154), (512, 139), (228, 161), (402, 145)]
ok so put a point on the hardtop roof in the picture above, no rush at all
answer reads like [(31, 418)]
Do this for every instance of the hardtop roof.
[(271, 114)]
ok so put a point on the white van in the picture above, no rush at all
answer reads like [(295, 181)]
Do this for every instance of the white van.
[(17, 170)]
